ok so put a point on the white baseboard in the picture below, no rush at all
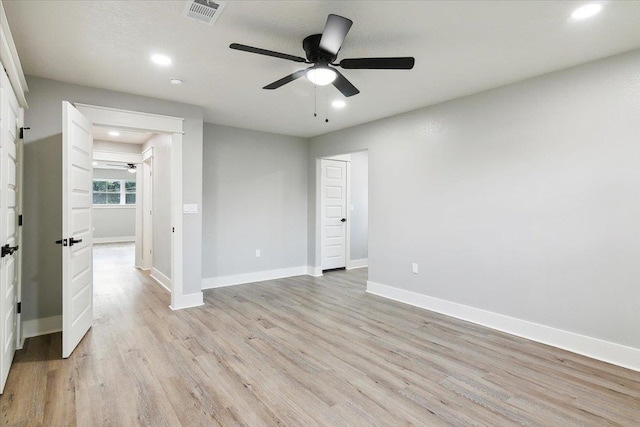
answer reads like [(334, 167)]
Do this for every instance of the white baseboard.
[(126, 239), (187, 301), (161, 279), (314, 271), (627, 357), (357, 263), (258, 276), (44, 326)]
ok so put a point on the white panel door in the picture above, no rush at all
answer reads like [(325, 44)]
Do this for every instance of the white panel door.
[(333, 210), (9, 125), (77, 234)]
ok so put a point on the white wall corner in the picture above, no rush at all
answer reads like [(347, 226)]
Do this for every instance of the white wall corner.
[(43, 326), (357, 263), (161, 279), (257, 276), (627, 357), (183, 301)]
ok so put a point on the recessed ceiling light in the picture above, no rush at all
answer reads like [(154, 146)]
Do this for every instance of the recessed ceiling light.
[(95, 163), (161, 59), (586, 11), (114, 133), (176, 81), (338, 103)]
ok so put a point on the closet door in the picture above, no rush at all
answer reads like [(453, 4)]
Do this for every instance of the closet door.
[(9, 125)]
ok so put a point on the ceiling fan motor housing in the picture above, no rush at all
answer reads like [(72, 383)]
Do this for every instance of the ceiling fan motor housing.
[(315, 54)]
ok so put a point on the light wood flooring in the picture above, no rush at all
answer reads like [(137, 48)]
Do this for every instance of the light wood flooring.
[(299, 352)]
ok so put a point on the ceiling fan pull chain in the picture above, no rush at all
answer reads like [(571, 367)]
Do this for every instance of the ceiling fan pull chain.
[(315, 101), (326, 109)]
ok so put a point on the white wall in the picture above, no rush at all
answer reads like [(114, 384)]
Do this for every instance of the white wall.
[(359, 187), (254, 197), (42, 273), (114, 222), (522, 201), (161, 212)]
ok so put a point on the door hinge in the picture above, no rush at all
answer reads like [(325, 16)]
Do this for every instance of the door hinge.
[(19, 220), (19, 308), (22, 129), (173, 229)]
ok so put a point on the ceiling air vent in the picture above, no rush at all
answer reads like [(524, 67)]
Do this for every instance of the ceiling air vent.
[(206, 11)]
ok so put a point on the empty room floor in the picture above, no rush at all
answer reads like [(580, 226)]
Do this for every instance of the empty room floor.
[(299, 351)]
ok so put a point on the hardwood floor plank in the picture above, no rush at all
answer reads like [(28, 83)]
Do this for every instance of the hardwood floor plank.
[(299, 351)]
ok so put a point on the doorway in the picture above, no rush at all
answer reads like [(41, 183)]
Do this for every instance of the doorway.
[(342, 212), (172, 128)]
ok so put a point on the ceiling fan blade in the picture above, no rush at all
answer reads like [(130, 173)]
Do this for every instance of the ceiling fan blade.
[(283, 81), (259, 51), (403, 63), (344, 86), (335, 30)]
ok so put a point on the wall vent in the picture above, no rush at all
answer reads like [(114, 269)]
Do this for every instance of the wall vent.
[(206, 11)]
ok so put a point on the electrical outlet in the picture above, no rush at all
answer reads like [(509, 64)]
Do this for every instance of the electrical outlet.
[(414, 268), (257, 253)]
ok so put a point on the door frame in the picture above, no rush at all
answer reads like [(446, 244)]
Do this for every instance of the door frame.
[(140, 121), (317, 270), (128, 158), (144, 222)]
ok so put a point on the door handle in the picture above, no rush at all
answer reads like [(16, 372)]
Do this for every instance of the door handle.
[(8, 250), (343, 220), (62, 242), (73, 241)]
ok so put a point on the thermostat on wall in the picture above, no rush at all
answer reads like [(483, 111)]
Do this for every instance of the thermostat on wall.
[(189, 209)]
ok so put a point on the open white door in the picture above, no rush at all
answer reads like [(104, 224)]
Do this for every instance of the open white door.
[(333, 211), (9, 125), (77, 234)]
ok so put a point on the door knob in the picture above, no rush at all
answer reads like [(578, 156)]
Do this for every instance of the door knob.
[(62, 242), (73, 241), (343, 220), (8, 250)]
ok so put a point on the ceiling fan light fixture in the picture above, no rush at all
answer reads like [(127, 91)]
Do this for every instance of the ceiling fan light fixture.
[(321, 76), (131, 168)]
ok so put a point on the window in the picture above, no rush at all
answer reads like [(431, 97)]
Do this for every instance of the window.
[(114, 192)]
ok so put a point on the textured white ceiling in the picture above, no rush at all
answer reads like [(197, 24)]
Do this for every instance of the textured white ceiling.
[(460, 48), (126, 136)]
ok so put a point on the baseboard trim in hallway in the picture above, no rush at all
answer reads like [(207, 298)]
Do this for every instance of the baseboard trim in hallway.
[(161, 279), (46, 325)]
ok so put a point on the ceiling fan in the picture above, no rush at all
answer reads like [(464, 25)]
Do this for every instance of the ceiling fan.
[(321, 51), (129, 167)]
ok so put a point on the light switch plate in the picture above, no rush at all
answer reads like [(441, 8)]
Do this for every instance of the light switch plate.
[(189, 209)]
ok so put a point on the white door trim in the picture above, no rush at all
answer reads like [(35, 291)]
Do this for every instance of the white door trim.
[(134, 120), (144, 229), (20, 187), (111, 156), (10, 60)]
